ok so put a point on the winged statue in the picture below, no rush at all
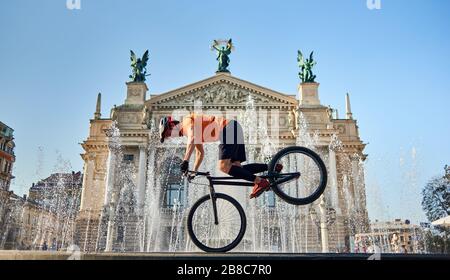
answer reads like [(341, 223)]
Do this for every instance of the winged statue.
[(139, 66), (306, 74), (223, 53)]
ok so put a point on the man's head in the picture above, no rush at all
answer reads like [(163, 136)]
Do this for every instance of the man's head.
[(166, 127)]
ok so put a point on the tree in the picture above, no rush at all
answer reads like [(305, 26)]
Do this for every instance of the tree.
[(435, 243), (436, 205), (436, 198)]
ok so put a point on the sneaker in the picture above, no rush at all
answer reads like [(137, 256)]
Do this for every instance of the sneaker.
[(258, 189), (278, 167)]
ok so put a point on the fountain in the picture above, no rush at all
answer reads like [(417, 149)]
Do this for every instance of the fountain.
[(273, 225), (155, 220), (46, 218)]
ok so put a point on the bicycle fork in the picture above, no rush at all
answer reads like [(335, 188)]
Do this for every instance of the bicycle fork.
[(213, 200)]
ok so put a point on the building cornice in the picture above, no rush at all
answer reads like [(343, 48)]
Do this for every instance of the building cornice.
[(159, 100)]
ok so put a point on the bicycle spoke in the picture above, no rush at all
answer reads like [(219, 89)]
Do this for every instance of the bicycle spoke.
[(306, 187), (210, 234)]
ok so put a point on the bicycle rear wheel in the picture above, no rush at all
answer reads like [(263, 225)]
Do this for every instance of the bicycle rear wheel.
[(224, 236), (311, 181)]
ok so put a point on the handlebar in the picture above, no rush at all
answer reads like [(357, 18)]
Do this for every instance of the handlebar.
[(197, 173), (190, 175)]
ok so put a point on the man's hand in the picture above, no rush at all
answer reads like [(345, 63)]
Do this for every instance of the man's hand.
[(190, 178), (184, 166)]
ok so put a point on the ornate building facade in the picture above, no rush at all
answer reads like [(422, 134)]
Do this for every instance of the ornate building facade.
[(396, 236), (7, 156), (7, 159), (133, 199), (45, 216)]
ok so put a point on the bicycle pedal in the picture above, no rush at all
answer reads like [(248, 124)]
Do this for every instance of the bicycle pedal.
[(257, 194)]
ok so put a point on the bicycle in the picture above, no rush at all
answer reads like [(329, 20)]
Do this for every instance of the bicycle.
[(221, 228)]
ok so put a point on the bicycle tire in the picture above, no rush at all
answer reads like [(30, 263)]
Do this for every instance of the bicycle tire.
[(238, 238), (323, 176)]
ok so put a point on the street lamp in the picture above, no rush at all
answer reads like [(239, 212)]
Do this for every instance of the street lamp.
[(326, 218)]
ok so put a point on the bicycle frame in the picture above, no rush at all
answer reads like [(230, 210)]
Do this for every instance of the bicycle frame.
[(227, 181)]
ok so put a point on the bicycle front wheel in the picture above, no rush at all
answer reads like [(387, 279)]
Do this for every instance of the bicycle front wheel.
[(220, 237), (303, 178)]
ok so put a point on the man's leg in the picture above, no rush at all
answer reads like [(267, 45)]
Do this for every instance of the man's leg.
[(234, 169), (236, 163), (225, 165), (255, 168), (236, 151)]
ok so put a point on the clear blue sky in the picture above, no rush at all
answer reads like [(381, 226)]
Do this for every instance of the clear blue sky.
[(393, 61)]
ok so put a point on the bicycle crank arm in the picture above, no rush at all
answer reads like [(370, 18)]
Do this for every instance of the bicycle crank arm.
[(287, 178)]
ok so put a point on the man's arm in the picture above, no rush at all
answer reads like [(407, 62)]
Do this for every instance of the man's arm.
[(199, 155), (189, 149), (190, 140), (191, 144)]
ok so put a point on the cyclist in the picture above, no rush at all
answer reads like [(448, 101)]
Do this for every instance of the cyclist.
[(199, 129)]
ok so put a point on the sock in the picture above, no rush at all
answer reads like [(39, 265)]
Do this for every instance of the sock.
[(255, 168), (240, 173)]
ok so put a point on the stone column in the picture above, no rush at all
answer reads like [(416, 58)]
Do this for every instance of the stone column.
[(110, 199), (150, 196), (110, 231), (323, 225), (335, 195), (333, 180), (355, 182), (88, 183), (110, 172), (150, 192), (141, 176)]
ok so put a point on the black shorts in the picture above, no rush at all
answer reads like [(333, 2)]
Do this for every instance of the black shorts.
[(232, 142)]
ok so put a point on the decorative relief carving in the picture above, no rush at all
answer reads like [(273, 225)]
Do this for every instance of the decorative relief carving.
[(100, 163), (135, 92), (90, 156), (145, 115), (220, 94), (293, 119), (341, 129)]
